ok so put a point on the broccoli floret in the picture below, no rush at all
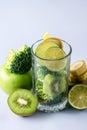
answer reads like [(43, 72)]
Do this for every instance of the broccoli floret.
[(20, 61), (39, 90)]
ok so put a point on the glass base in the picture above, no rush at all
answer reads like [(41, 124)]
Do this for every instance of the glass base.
[(52, 108)]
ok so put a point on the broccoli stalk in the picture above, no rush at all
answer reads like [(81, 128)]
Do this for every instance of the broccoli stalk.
[(20, 61)]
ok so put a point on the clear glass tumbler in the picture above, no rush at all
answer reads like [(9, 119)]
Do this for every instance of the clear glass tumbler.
[(50, 79)]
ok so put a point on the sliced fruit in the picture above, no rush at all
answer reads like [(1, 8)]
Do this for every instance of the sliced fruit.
[(46, 35), (78, 96), (53, 53), (50, 87), (54, 62), (78, 68), (73, 78), (22, 102), (43, 47), (56, 40), (63, 84), (41, 50), (83, 77), (84, 81)]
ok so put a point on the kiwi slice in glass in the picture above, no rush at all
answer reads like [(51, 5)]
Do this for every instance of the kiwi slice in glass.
[(50, 87), (22, 102)]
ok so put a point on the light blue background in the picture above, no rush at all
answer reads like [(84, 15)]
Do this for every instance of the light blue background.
[(25, 21)]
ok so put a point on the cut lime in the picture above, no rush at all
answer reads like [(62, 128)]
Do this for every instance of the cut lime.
[(78, 96), (54, 61), (41, 50), (54, 53), (43, 47)]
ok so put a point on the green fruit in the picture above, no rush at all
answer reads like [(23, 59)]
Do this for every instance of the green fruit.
[(41, 50), (54, 54), (50, 86), (10, 81), (22, 102), (63, 84), (77, 96), (62, 78), (53, 86), (43, 47)]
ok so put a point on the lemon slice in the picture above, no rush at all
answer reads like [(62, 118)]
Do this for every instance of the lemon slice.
[(78, 68), (78, 96), (83, 77), (46, 35), (54, 61), (56, 40)]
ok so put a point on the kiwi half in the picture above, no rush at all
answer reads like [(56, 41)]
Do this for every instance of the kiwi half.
[(22, 102), (53, 86), (50, 86)]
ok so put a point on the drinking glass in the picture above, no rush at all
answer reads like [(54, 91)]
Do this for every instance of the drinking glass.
[(50, 79)]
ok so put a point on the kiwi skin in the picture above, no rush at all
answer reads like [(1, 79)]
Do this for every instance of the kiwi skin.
[(33, 98)]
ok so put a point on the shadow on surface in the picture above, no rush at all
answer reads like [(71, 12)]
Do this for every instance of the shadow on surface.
[(68, 111)]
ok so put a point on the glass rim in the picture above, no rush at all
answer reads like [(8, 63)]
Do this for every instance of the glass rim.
[(51, 59)]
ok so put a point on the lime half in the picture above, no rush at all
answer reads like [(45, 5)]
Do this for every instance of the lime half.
[(54, 61), (42, 49), (78, 96)]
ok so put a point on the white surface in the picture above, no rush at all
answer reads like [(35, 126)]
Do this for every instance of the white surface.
[(25, 22)]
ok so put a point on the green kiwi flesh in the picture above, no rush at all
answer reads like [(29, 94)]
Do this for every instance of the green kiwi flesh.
[(50, 87), (53, 86), (22, 102)]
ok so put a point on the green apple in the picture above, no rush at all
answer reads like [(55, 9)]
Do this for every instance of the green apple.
[(11, 81)]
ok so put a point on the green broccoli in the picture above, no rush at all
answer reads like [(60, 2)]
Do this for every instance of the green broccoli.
[(20, 61), (39, 90)]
